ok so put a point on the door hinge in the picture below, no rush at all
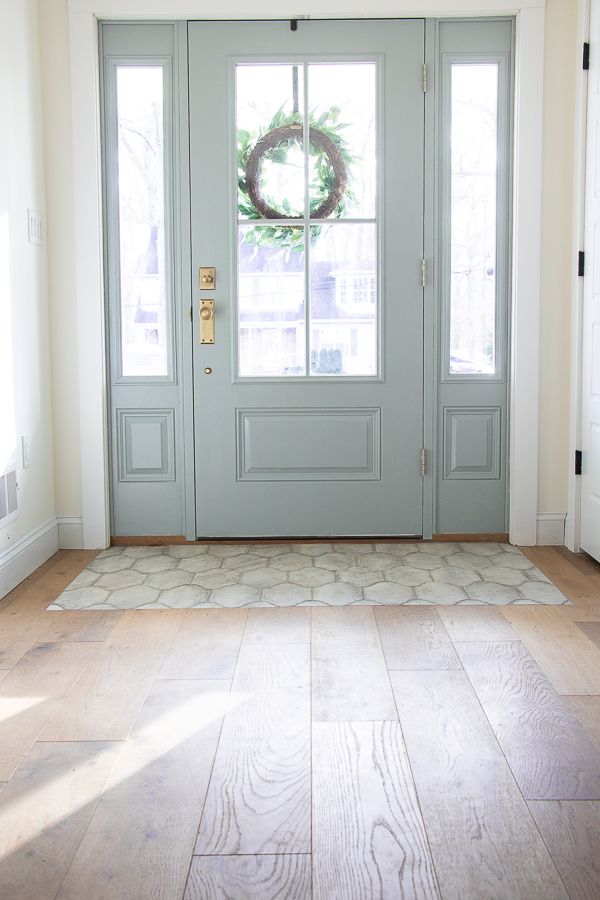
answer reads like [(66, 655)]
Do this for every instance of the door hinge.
[(424, 78), (424, 272), (586, 57), (578, 455), (423, 460), (581, 264), (191, 313)]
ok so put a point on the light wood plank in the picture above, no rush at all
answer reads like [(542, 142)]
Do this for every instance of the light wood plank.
[(266, 877), (476, 623), (571, 831), (98, 708), (206, 645), (582, 589), (550, 754), (140, 840), (350, 681), (259, 795), (591, 631), (44, 812), (369, 836), (587, 712), (415, 638), (565, 655), (484, 843), (79, 625), (32, 691), (285, 625)]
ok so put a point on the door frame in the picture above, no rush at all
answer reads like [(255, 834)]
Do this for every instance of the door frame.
[(526, 241)]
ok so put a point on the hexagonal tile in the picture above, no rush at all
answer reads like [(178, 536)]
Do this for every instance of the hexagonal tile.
[(180, 551), (542, 593), (407, 575), (243, 562), (437, 548), (224, 550), (115, 580), (143, 552), (155, 564), (111, 564), (422, 560), (262, 577), (132, 597), (235, 595), (440, 591), (184, 596), (511, 561), (218, 578), (388, 592), (312, 549), (483, 549), (200, 563), (487, 592), (84, 579), (378, 562), (469, 561), (335, 561), (270, 550), (290, 561), (82, 598), (337, 593), (504, 575), (286, 595), (165, 580), (395, 549), (456, 575), (310, 576), (359, 576), (352, 548)]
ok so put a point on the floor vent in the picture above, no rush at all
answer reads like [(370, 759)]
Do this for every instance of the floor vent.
[(8, 495)]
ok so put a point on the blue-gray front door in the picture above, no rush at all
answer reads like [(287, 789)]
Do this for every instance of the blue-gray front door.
[(308, 368)]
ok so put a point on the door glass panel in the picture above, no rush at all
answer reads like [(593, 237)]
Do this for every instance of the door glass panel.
[(140, 130), (270, 102), (336, 181), (342, 106), (343, 299), (473, 209), (271, 301)]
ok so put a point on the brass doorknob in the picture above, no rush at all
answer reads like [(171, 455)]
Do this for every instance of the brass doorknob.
[(206, 313)]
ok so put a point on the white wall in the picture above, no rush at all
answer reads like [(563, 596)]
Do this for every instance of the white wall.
[(562, 56), (561, 59), (25, 375), (61, 277)]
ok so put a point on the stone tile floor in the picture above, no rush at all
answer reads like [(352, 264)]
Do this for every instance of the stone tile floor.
[(303, 574)]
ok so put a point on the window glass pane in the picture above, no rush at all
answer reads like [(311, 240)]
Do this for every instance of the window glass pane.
[(343, 299), (141, 220), (474, 138), (342, 110), (269, 116), (271, 301)]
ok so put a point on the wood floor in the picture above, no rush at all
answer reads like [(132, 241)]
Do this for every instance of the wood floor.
[(332, 753)]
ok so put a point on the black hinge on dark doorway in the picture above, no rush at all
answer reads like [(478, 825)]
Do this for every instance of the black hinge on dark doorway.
[(578, 462), (586, 57), (294, 24)]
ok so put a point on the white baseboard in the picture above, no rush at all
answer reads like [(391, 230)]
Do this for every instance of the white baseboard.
[(27, 554), (551, 528), (70, 532)]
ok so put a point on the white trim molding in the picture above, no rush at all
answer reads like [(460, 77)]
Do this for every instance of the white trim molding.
[(573, 523), (70, 532), (524, 387), (27, 555), (551, 529)]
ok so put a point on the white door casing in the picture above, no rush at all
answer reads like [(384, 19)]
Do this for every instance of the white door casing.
[(83, 16)]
